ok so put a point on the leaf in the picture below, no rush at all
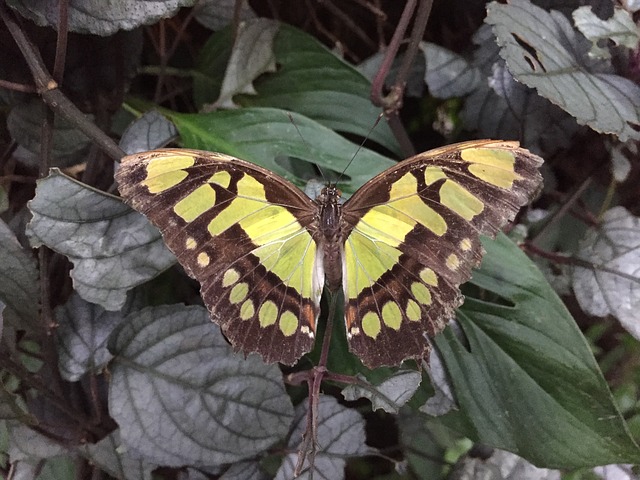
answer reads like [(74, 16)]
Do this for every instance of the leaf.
[(251, 56), (499, 106), (57, 468), (620, 29), (263, 135), (243, 471), (544, 52), (414, 87), (26, 444), (91, 16), (216, 14), (24, 123), (424, 443), (152, 130), (390, 395), (340, 435), (310, 80), (19, 284), (82, 334), (616, 472), (443, 400), (110, 457), (527, 382), (502, 465), (13, 407), (612, 285), (181, 397), (448, 74), (111, 247)]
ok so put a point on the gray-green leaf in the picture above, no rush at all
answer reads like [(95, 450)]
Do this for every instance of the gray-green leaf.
[(252, 55), (82, 334), (543, 51), (612, 285), (448, 74), (113, 248), (111, 457), (620, 29), (390, 395), (182, 397), (340, 435), (91, 16), (19, 285), (152, 130)]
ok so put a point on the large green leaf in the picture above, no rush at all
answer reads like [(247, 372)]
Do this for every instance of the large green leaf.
[(527, 381), (267, 135), (309, 80)]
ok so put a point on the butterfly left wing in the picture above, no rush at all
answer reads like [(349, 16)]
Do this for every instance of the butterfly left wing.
[(415, 236), (242, 232)]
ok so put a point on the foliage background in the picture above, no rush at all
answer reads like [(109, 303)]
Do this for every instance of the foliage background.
[(105, 372)]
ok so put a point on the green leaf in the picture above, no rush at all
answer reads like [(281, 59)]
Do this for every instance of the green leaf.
[(527, 382), (263, 135), (19, 285), (310, 80), (182, 397), (59, 468), (82, 334), (390, 395), (110, 457), (424, 442), (340, 435), (544, 52), (113, 248)]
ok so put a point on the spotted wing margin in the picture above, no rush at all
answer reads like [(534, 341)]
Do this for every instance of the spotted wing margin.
[(415, 238), (243, 233)]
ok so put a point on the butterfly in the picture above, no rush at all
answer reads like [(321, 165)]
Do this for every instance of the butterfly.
[(399, 248)]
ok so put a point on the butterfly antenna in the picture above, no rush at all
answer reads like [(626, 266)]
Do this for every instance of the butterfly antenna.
[(375, 124), (324, 179)]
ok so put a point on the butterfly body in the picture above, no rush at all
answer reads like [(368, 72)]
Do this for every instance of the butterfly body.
[(398, 248), (330, 236)]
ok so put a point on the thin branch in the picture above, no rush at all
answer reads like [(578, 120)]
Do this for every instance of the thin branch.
[(61, 40), (48, 89)]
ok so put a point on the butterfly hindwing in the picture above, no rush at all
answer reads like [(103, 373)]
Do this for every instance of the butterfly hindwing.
[(241, 231), (414, 239)]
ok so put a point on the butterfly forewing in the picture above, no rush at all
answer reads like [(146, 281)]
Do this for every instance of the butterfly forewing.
[(243, 233), (414, 238)]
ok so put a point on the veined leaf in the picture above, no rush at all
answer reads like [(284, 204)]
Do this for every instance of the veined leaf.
[(527, 382), (543, 51)]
